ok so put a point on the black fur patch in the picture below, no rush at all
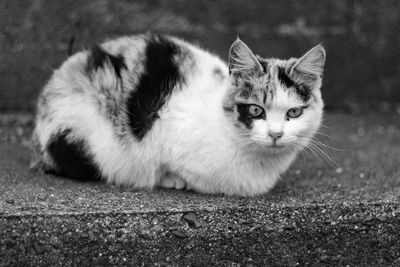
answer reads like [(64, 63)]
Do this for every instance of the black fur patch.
[(301, 90), (284, 78), (71, 159), (246, 90), (160, 76), (245, 117), (265, 96), (98, 58)]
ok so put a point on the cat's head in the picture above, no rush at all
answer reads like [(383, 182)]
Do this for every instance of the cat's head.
[(275, 104)]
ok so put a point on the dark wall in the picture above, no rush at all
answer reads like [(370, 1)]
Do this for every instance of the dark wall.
[(362, 39)]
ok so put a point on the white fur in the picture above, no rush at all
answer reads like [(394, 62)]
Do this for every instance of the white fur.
[(193, 140)]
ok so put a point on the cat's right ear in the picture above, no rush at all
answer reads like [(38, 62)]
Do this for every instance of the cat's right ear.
[(242, 61), (310, 67)]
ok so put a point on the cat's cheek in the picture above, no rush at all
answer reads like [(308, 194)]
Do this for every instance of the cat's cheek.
[(259, 130), (313, 119), (306, 125)]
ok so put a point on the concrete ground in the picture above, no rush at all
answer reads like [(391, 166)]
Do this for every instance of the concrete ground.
[(320, 213)]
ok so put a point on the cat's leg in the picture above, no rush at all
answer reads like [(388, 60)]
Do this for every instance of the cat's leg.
[(40, 162), (38, 165), (172, 181)]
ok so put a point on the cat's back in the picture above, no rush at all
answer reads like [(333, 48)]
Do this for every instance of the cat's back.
[(90, 84), (127, 80), (113, 69), (111, 96), (95, 69)]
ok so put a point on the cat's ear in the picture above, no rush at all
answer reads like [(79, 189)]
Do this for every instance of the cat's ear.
[(310, 67), (242, 61)]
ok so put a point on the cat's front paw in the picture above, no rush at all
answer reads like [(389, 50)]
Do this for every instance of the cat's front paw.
[(173, 182)]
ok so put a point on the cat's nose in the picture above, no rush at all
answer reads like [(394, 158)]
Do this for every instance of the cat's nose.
[(275, 135)]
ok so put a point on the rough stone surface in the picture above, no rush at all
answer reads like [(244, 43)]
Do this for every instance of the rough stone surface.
[(320, 213), (361, 38)]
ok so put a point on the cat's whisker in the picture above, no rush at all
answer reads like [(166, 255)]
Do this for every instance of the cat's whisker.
[(313, 153), (305, 152), (319, 142), (325, 126), (242, 141), (310, 134), (318, 151), (288, 140), (323, 154), (304, 158), (323, 134), (314, 139)]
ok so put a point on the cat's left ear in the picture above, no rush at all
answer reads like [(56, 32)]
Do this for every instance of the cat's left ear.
[(242, 61), (310, 67)]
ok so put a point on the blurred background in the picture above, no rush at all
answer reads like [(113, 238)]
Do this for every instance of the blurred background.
[(362, 39)]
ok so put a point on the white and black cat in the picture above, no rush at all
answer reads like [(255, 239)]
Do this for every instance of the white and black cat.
[(153, 110)]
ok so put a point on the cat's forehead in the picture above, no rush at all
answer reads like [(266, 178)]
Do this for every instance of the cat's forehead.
[(272, 71), (270, 85)]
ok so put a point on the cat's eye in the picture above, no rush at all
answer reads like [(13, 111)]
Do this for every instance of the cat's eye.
[(255, 110), (294, 112)]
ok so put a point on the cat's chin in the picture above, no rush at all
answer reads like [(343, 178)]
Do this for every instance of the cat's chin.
[(276, 148)]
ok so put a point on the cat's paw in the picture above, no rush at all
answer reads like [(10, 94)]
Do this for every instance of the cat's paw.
[(37, 166), (173, 182)]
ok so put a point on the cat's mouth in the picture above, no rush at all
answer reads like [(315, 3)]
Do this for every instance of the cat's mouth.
[(283, 143), (277, 146), (280, 146)]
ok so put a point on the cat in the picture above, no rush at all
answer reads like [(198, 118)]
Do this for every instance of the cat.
[(156, 111)]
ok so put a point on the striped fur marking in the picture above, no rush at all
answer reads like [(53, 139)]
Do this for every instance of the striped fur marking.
[(98, 58), (300, 89), (160, 77)]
